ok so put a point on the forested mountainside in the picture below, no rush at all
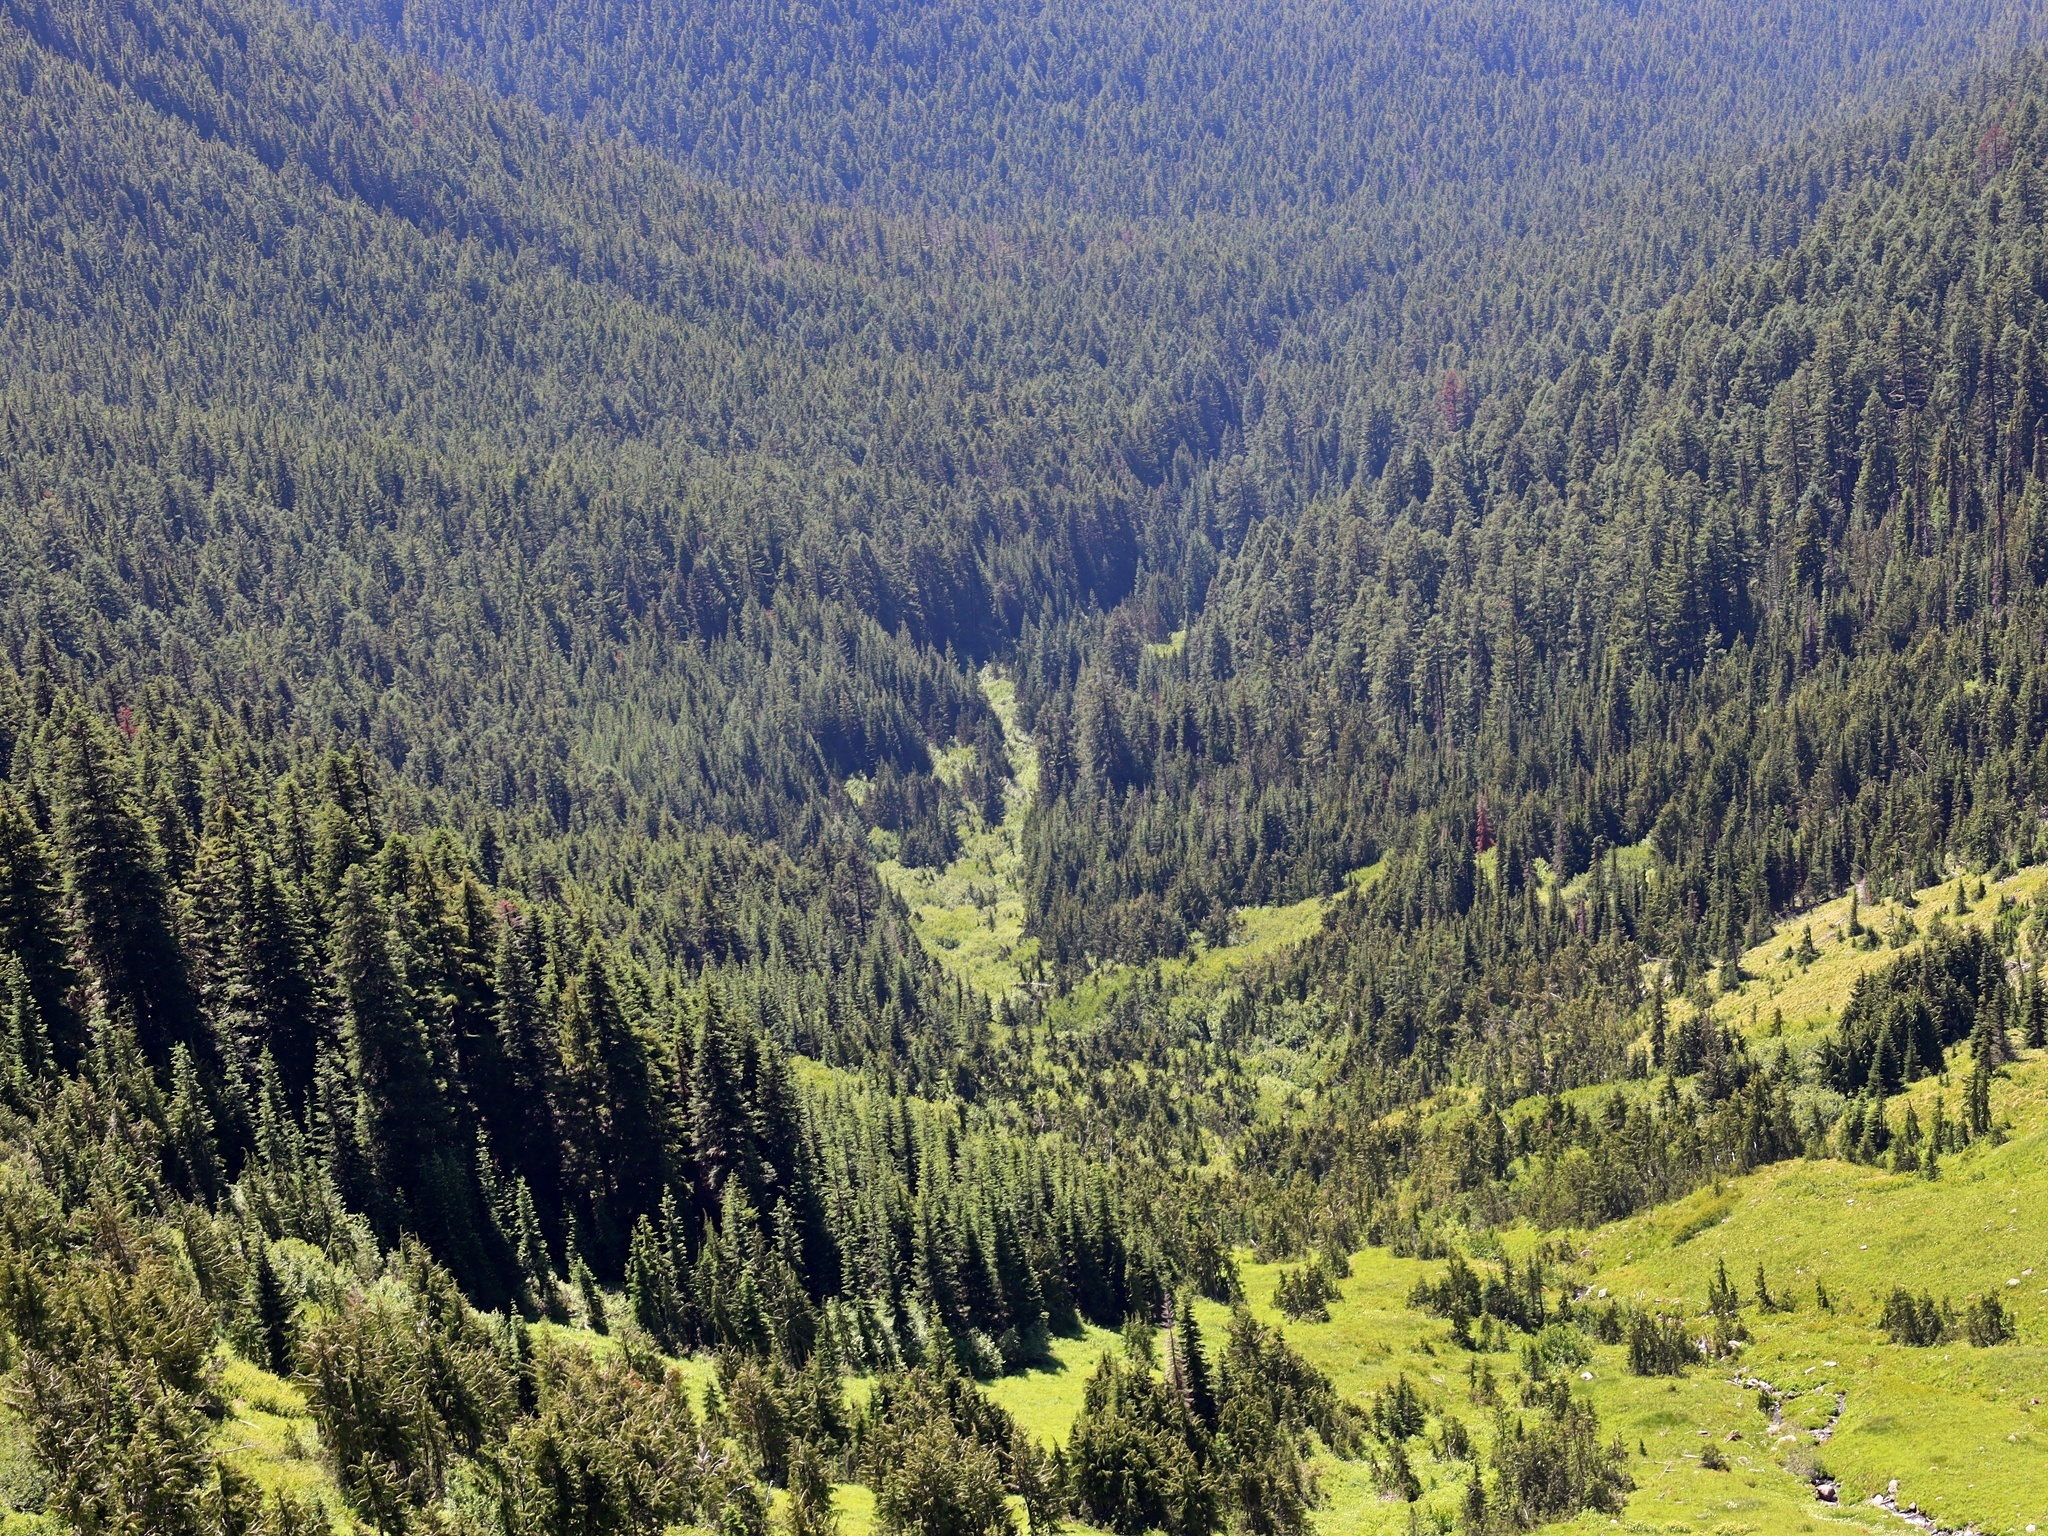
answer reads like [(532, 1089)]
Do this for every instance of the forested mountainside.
[(515, 526), (1161, 111), (1758, 582)]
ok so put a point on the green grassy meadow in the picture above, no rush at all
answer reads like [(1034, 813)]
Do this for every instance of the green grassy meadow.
[(1956, 1427), (1960, 1429), (1810, 996), (970, 915)]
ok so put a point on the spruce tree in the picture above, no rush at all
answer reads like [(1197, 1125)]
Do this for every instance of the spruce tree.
[(115, 884), (1977, 1098), (536, 1269), (285, 985), (33, 928), (1190, 1363), (24, 1042), (268, 1330), (654, 1289), (519, 1109), (189, 1131), (404, 1122), (722, 1132), (612, 1131)]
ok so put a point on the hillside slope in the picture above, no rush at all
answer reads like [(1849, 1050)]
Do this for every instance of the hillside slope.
[(691, 819), (1953, 1429)]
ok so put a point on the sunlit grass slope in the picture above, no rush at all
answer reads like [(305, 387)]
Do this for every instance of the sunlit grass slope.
[(1959, 1428), (1810, 993)]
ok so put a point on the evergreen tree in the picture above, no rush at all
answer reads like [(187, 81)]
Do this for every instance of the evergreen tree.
[(611, 1125), (115, 885), (269, 1329), (1188, 1364), (33, 929), (518, 1110), (401, 1117), (722, 1130)]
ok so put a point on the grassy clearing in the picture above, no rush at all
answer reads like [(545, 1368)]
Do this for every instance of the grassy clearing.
[(268, 1435), (1260, 934), (1373, 1336), (1044, 1402), (854, 1505), (970, 915), (1959, 1428), (1811, 996)]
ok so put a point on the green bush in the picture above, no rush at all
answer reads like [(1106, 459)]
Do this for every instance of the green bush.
[(1659, 1346), (1304, 1294), (1916, 1322), (1986, 1322), (1555, 1467)]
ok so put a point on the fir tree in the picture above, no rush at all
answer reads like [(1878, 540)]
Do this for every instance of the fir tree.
[(401, 1117), (1188, 1363), (612, 1126), (33, 930), (115, 885), (268, 1322), (721, 1123)]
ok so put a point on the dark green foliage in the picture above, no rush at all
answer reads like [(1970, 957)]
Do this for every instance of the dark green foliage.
[(115, 882), (1145, 1456), (111, 1376), (1917, 1322), (269, 1330), (591, 1300), (1901, 1019), (1454, 1440), (502, 519), (809, 1512), (608, 1453), (417, 1178), (779, 1414), (1986, 1322), (1660, 1346), (1136, 1459), (1554, 1468), (933, 1449), (655, 1285), (1723, 1300), (401, 1386), (33, 932), (1304, 1294), (1396, 1411), (1516, 1297), (1165, 111), (1257, 1364), (1040, 1480), (1187, 1363)]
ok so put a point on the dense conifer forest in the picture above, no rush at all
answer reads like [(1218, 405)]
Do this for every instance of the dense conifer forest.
[(512, 522)]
